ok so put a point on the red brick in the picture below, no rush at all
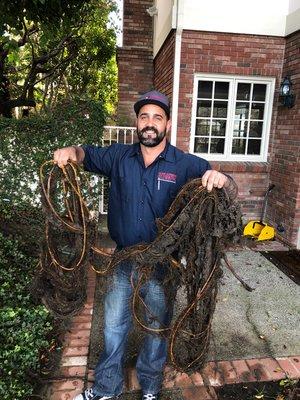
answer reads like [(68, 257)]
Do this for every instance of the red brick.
[(88, 305), (169, 376), (86, 311), (168, 384), (77, 334), (242, 371), (258, 370), (183, 380), (295, 360), (288, 367), (74, 361), (227, 371), (84, 341), (265, 369), (74, 384), (273, 368), (75, 351), (197, 379), (211, 372), (199, 392), (65, 395), (81, 326), (82, 318), (73, 371)]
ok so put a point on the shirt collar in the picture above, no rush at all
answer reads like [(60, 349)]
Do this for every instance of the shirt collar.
[(167, 154)]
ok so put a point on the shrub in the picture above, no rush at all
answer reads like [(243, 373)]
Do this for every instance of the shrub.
[(24, 326), (26, 329), (27, 143)]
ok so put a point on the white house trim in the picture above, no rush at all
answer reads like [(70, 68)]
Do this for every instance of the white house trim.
[(176, 77), (177, 16), (269, 81)]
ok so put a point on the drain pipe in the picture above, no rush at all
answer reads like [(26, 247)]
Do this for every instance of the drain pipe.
[(176, 74)]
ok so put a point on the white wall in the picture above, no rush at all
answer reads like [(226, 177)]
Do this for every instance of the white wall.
[(294, 5), (162, 22), (257, 17), (293, 17), (260, 17)]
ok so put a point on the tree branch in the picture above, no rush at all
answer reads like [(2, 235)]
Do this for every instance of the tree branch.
[(27, 34), (19, 103)]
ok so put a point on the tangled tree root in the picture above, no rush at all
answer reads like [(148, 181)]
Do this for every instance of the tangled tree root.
[(190, 244)]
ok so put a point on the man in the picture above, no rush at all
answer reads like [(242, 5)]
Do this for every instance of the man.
[(145, 178)]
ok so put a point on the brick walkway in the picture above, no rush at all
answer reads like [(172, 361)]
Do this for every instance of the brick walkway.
[(75, 375)]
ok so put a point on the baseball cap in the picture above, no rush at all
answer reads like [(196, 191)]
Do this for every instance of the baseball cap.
[(153, 97)]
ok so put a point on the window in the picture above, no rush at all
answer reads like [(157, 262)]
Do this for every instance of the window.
[(231, 117)]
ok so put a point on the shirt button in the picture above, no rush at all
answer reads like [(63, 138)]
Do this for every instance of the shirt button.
[(142, 201), (144, 183), (140, 219)]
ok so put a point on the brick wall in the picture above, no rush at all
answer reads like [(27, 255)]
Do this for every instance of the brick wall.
[(227, 54), (135, 58), (285, 165), (164, 66), (237, 54), (251, 179)]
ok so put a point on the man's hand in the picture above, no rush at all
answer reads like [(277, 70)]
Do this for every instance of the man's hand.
[(73, 153), (213, 178)]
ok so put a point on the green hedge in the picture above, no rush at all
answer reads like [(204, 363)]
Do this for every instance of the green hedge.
[(25, 328), (26, 143)]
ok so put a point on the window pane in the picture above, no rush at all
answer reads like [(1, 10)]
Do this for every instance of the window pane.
[(217, 146), (242, 110), (259, 92), (254, 146), (218, 127), (202, 127), (205, 89), (201, 145), (203, 109), (239, 146), (257, 111), (221, 90), (220, 109), (240, 128), (243, 91), (255, 129)]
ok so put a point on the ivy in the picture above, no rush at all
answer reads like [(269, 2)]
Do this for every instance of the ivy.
[(24, 326), (28, 142)]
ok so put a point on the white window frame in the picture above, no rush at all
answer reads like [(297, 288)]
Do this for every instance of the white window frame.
[(233, 80)]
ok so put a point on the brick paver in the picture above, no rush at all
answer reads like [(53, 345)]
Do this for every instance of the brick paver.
[(289, 368), (75, 375), (199, 393)]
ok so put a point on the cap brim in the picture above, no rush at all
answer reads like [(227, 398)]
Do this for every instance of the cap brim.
[(139, 104)]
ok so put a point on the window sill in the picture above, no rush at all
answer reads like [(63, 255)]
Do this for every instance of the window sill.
[(240, 166)]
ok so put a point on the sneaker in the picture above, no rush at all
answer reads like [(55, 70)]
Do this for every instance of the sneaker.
[(88, 394), (150, 396)]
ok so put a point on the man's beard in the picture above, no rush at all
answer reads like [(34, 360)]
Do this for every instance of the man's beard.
[(150, 141)]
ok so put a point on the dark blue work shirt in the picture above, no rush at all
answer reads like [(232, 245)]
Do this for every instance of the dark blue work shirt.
[(138, 195)]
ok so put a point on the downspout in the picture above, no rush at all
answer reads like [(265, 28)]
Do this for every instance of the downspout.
[(176, 74)]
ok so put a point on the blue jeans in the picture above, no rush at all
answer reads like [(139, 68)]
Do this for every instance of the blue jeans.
[(117, 323)]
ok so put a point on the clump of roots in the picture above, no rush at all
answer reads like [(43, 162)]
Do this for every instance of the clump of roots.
[(189, 246)]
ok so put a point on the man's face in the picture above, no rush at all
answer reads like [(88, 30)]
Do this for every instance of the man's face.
[(152, 125)]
